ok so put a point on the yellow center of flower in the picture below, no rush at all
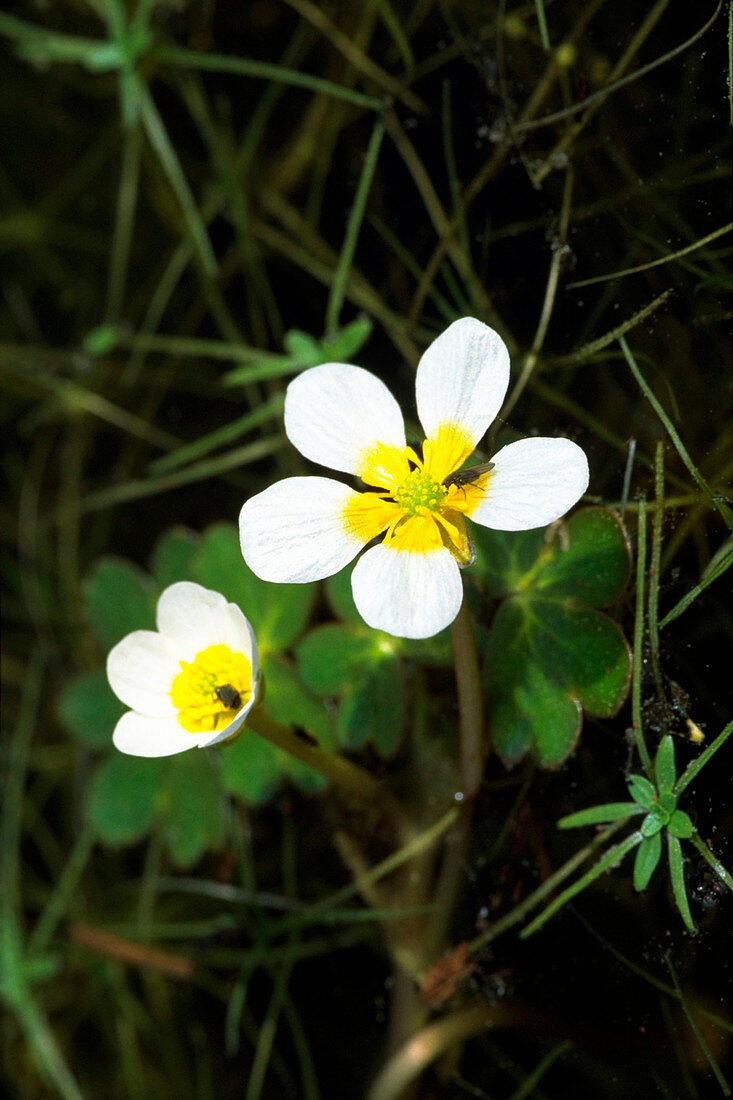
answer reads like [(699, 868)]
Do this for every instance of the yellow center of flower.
[(418, 492), (211, 689), (421, 506)]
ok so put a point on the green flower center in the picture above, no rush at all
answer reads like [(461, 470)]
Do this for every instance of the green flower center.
[(419, 492)]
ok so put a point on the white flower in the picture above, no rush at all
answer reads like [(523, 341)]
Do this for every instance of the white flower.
[(306, 528), (192, 682)]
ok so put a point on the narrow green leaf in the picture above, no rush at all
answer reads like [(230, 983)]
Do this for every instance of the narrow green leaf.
[(651, 825), (677, 875), (338, 282), (647, 858), (596, 815), (642, 791), (680, 825), (611, 859), (664, 769)]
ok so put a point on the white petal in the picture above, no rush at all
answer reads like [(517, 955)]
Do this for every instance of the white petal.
[(294, 531), (462, 379), (207, 739), (333, 413), (140, 735), (195, 617), (408, 594), (533, 483), (141, 669)]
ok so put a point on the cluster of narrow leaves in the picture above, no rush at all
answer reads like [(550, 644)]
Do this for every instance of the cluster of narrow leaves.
[(655, 797), (182, 795), (552, 652)]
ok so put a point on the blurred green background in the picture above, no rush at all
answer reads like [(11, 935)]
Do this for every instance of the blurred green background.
[(197, 200)]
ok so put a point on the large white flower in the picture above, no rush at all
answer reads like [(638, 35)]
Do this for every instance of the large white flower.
[(192, 682), (305, 528)]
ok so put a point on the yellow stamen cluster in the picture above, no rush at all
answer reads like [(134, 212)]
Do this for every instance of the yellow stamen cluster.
[(418, 492), (194, 690), (415, 510)]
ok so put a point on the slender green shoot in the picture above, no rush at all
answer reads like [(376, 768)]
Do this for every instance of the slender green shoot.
[(346, 257)]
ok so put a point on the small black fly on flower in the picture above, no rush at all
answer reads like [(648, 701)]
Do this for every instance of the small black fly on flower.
[(229, 696), (467, 476)]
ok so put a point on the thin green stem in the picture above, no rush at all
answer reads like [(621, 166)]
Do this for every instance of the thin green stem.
[(657, 523), (338, 286), (693, 770), (715, 500), (470, 702), (519, 912), (639, 641), (611, 859), (712, 860), (345, 776)]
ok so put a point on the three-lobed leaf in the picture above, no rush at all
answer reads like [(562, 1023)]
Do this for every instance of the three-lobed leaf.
[(552, 652)]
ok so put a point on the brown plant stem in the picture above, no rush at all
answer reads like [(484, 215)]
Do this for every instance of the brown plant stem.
[(470, 702)]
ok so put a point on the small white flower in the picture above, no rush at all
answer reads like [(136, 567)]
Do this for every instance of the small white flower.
[(306, 528), (192, 682)]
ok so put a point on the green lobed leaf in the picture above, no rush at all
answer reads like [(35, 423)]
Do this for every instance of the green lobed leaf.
[(504, 558), (334, 656), (121, 798), (119, 598), (172, 556), (551, 652), (527, 708), (89, 710), (647, 858), (288, 701), (190, 806), (598, 815), (278, 612), (586, 651), (664, 769), (590, 560), (642, 791), (373, 710), (251, 769)]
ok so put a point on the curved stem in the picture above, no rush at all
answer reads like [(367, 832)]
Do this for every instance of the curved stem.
[(470, 702), (431, 1042), (347, 777)]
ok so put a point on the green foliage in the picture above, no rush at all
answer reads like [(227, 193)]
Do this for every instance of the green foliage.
[(278, 612), (552, 653), (659, 801), (119, 598), (182, 795), (362, 669), (89, 710), (121, 800), (303, 351)]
